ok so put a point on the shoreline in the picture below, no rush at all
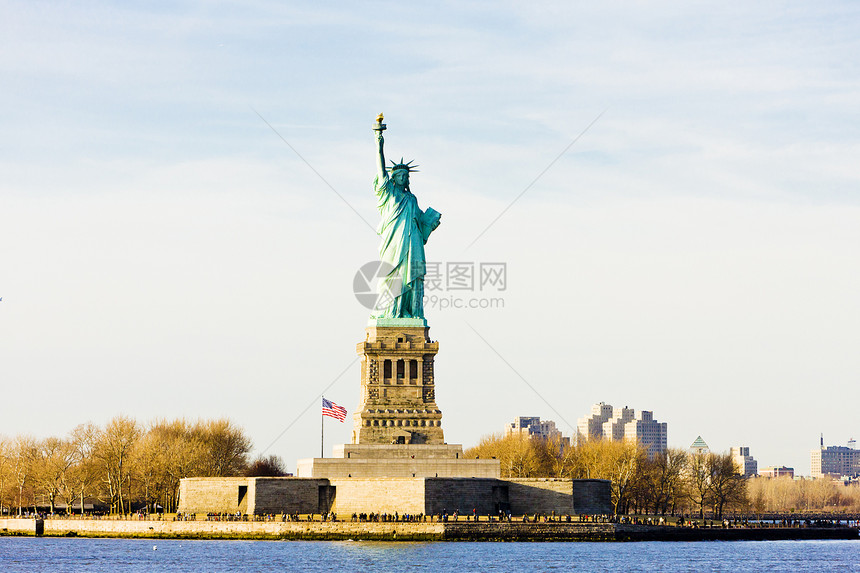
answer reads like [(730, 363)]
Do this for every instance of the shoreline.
[(406, 531)]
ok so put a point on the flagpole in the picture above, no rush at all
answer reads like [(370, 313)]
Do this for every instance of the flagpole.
[(322, 432)]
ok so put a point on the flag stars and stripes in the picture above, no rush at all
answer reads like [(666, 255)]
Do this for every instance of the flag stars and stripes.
[(332, 410)]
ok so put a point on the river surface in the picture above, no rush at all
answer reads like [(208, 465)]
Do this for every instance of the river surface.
[(44, 555)]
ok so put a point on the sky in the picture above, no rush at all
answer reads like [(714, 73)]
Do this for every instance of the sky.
[(672, 188)]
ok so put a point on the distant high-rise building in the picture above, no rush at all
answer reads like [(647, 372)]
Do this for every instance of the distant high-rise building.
[(616, 424), (592, 426), (613, 428), (699, 446), (746, 464), (533, 427), (776, 472), (835, 461), (648, 432)]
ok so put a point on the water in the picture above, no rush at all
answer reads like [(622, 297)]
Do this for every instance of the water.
[(56, 554)]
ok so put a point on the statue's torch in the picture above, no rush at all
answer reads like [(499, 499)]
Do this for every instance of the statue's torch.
[(379, 126)]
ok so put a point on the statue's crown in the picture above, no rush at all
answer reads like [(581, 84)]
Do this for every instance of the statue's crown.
[(407, 166)]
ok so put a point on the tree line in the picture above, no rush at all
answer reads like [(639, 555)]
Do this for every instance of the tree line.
[(786, 495), (124, 465), (674, 482)]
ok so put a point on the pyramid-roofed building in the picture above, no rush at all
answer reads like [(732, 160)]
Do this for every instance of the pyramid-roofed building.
[(699, 446)]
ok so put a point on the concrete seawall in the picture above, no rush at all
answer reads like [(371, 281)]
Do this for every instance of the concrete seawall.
[(668, 533), (228, 529), (450, 531)]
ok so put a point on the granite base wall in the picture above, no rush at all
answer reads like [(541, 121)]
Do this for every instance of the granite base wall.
[(379, 495), (429, 496), (462, 495), (592, 497), (260, 495), (219, 495), (539, 495), (287, 495)]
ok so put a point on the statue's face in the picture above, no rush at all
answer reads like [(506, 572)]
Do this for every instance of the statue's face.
[(401, 177)]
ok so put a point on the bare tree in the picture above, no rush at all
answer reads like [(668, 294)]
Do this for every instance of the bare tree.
[(588, 459), (5, 453), (150, 470), (725, 485), (668, 479), (113, 451), (271, 466), (489, 446), (758, 499), (84, 473), (54, 459), (522, 457), (24, 455), (226, 448), (784, 495), (620, 462), (698, 481), (518, 456), (623, 470), (179, 452), (557, 457)]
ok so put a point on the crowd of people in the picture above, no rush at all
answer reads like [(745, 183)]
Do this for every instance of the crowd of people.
[(444, 516)]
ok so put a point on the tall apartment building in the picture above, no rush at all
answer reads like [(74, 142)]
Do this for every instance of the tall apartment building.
[(533, 427), (613, 428), (648, 432), (592, 426), (835, 461), (617, 424), (746, 464)]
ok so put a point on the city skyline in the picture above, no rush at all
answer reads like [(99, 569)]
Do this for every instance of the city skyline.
[(671, 189)]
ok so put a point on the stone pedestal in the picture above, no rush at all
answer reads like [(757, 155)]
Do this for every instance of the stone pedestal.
[(397, 428), (397, 461), (398, 397)]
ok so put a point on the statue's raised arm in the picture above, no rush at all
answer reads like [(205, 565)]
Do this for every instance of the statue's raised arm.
[(378, 128)]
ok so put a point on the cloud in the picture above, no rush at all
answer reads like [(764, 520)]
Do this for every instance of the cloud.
[(697, 242)]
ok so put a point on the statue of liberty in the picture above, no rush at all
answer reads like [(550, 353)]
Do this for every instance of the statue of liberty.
[(404, 230)]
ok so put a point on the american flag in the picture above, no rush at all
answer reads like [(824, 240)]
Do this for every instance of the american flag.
[(329, 408)]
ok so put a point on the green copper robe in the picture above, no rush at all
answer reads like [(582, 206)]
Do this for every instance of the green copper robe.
[(404, 230)]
